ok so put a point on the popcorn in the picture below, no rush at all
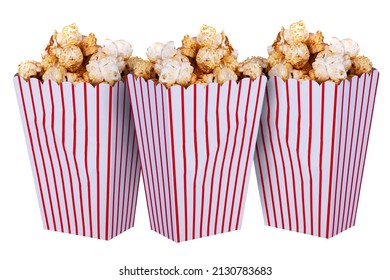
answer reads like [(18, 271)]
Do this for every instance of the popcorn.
[(190, 46), (140, 68), (297, 55), (282, 70), (252, 67), (360, 65), (29, 69), (224, 74), (208, 57), (71, 36), (72, 57), (301, 55), (88, 45), (56, 74)]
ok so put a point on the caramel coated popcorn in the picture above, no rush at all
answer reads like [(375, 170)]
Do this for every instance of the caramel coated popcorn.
[(296, 53), (203, 59), (71, 57)]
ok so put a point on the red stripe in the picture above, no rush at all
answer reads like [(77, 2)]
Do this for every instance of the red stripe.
[(115, 160), (207, 160), (130, 187), (50, 157), (86, 159), (215, 162), (67, 159), (309, 153), (145, 171), (108, 162), (368, 138), (58, 155), (162, 89), (75, 157), (273, 153), (238, 167), (139, 140), (158, 217), (124, 186), (223, 159), (281, 153), (183, 130), (161, 163), (155, 163), (42, 157), (320, 162), (33, 150), (331, 160), (345, 152), (262, 185), (231, 160), (122, 147), (358, 140), (348, 184), (297, 149), (135, 189), (174, 165), (98, 157), (249, 152), (268, 170), (196, 164), (338, 161), (215, 159), (290, 157)]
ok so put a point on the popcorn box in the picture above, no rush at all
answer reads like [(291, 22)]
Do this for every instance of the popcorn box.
[(196, 147), (83, 155), (310, 152)]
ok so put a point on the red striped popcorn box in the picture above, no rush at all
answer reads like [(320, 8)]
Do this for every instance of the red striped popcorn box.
[(196, 149), (83, 154), (310, 152)]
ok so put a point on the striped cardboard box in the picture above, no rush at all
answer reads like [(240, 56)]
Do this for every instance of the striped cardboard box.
[(196, 148), (83, 155), (310, 152)]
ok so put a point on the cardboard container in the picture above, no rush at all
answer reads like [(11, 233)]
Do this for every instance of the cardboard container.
[(83, 155), (196, 148), (310, 152)]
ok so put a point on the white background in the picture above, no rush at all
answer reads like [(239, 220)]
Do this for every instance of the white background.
[(29, 252)]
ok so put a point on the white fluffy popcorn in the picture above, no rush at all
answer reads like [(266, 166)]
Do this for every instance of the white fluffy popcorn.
[(29, 69), (329, 67), (351, 48), (103, 68), (119, 49), (154, 52)]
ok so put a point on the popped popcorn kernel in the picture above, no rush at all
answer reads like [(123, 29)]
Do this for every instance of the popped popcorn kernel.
[(297, 53), (361, 65), (70, 56), (29, 69), (224, 74), (56, 74), (252, 67), (70, 36), (190, 46), (88, 45)]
